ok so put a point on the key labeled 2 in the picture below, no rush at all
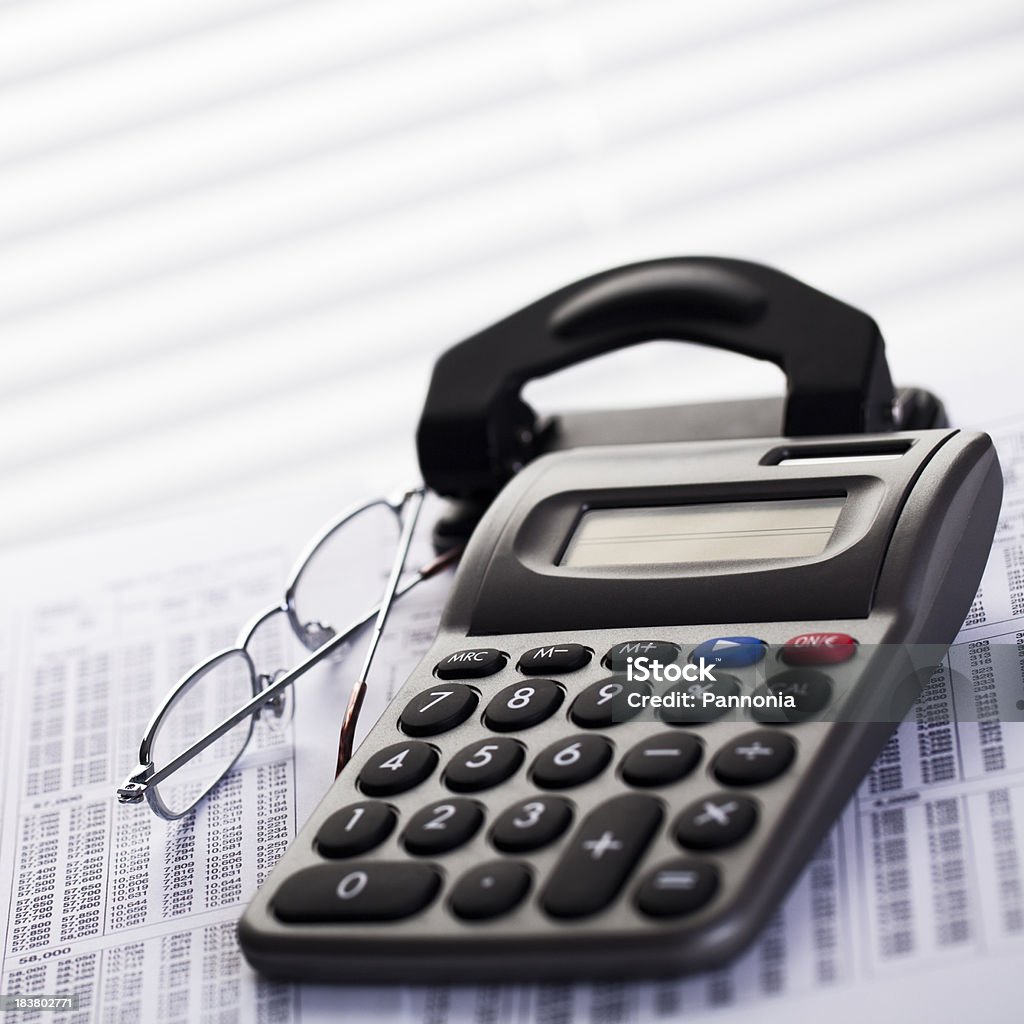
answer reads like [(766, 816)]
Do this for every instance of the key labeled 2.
[(442, 826)]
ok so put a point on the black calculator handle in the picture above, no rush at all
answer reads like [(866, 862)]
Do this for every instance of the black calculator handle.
[(476, 431)]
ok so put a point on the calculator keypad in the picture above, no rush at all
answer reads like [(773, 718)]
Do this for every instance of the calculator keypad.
[(571, 762), (438, 709), (600, 856), (442, 826), (531, 824), (592, 866), (523, 705), (490, 890), (483, 764)]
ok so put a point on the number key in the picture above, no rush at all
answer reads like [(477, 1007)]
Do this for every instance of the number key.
[(571, 761), (607, 703), (530, 824), (483, 765), (438, 710), (368, 891), (355, 829), (442, 826), (396, 768), (523, 705)]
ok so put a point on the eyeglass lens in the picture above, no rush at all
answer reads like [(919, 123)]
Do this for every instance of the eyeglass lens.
[(213, 692), (346, 574)]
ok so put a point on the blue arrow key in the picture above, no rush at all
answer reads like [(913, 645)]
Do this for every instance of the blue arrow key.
[(730, 651)]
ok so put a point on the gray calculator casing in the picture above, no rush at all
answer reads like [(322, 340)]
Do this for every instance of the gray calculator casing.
[(901, 568)]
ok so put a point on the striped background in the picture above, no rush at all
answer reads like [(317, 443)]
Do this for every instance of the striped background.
[(234, 235)]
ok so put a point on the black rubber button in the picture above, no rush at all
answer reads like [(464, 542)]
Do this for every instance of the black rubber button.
[(607, 703), (397, 768), (716, 821), (355, 829), (571, 761), (754, 757), (490, 890), (523, 704), (663, 651), (677, 887), (700, 710), (661, 759), (442, 826), (438, 710), (557, 658), (470, 664), (356, 891), (531, 824), (811, 692), (483, 764), (601, 854)]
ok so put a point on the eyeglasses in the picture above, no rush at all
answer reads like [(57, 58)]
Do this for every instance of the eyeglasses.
[(207, 720)]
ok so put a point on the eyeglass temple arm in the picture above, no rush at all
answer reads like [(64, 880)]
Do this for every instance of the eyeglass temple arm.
[(140, 780), (346, 738)]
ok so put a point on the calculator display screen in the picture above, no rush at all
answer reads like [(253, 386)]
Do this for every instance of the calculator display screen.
[(719, 532)]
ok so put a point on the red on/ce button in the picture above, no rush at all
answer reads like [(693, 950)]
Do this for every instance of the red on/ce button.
[(819, 649)]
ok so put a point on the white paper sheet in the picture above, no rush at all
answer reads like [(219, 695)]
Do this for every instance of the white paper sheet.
[(915, 895)]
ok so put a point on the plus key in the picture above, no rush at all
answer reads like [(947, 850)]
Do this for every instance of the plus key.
[(754, 758), (599, 857)]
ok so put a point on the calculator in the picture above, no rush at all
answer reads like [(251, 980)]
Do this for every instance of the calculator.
[(662, 670)]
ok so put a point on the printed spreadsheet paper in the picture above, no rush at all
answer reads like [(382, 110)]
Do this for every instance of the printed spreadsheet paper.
[(916, 895)]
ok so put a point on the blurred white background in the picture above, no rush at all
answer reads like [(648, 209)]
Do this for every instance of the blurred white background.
[(235, 234)]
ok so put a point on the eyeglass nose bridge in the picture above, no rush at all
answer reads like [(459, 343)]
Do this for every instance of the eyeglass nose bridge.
[(316, 634), (277, 704)]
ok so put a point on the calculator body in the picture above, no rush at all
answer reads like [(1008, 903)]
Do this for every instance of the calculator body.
[(674, 841)]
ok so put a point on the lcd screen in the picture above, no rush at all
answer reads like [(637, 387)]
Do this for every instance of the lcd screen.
[(720, 532)]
